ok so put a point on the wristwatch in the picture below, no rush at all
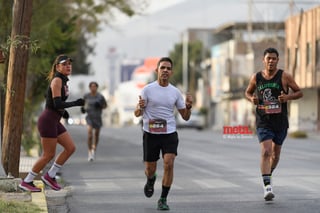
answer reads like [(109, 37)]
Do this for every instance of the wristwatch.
[(188, 106)]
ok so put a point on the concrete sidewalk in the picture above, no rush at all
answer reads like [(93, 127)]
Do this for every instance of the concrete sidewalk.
[(39, 199), (48, 200)]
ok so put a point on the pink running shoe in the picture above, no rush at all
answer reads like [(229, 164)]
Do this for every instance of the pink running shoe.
[(29, 187), (51, 182)]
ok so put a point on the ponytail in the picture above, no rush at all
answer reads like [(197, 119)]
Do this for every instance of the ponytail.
[(51, 73), (53, 68)]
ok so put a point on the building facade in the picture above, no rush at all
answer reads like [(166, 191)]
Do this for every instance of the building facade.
[(235, 55), (303, 62)]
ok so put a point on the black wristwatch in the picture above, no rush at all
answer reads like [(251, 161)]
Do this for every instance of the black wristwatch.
[(188, 106)]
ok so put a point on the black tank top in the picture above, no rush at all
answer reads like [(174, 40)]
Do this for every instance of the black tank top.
[(270, 113), (64, 92)]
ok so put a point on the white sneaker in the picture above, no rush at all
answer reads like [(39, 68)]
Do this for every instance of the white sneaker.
[(268, 193), (93, 154), (90, 158)]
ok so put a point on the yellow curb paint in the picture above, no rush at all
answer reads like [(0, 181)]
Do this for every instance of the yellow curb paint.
[(39, 198)]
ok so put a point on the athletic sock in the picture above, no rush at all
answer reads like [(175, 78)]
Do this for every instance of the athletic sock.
[(151, 180), (272, 170), (54, 169), (266, 179), (30, 177), (165, 191)]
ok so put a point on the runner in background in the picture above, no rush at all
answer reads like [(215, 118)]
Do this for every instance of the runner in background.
[(94, 104)]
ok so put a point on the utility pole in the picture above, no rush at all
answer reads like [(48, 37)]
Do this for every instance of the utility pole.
[(16, 85), (2, 172), (185, 63), (112, 58), (249, 26), (6, 15), (290, 2), (296, 46)]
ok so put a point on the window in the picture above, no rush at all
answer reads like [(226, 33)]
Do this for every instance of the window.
[(288, 58), (308, 54), (297, 57), (318, 52)]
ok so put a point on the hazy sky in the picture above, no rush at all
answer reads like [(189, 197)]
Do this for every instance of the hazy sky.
[(154, 34)]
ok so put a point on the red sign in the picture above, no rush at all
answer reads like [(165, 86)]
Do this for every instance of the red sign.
[(237, 130)]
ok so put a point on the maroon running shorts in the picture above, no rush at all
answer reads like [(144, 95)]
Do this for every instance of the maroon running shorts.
[(49, 125)]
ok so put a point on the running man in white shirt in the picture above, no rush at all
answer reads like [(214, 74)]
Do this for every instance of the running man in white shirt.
[(156, 106)]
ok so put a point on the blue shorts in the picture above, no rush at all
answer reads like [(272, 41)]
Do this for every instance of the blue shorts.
[(276, 136)]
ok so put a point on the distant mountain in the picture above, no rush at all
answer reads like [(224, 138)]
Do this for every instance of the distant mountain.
[(155, 35)]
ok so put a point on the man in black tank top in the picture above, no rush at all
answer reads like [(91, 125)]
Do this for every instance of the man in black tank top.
[(269, 91)]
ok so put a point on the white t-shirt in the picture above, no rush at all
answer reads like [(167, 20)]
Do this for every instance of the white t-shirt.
[(158, 115)]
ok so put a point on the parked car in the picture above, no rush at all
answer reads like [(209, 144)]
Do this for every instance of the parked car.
[(197, 120)]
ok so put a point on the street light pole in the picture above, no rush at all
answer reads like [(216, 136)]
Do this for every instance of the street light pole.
[(185, 44), (185, 64)]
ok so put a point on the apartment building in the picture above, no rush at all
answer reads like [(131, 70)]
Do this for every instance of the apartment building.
[(303, 62), (236, 54)]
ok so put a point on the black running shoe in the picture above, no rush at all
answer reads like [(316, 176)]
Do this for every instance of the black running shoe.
[(162, 204), (149, 187)]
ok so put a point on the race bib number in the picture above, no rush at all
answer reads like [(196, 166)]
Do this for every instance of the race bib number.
[(158, 125), (272, 107)]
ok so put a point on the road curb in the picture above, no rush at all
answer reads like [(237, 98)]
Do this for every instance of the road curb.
[(39, 198), (57, 200)]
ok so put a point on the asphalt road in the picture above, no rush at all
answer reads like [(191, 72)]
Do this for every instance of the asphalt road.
[(212, 174)]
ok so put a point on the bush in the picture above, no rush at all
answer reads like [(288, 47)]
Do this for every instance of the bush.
[(298, 134), (18, 207), (28, 142), (203, 110)]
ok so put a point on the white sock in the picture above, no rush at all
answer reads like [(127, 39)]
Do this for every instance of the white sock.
[(30, 177), (54, 169)]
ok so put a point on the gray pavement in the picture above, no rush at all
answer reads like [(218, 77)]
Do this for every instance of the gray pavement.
[(212, 174)]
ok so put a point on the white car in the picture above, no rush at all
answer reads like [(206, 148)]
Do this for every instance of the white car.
[(197, 120)]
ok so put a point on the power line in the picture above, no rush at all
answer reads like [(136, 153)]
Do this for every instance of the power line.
[(291, 3)]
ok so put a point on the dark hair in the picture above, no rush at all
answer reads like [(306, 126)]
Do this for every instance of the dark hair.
[(271, 50), (53, 67), (93, 82), (164, 59)]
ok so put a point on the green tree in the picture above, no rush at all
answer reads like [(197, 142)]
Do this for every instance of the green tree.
[(5, 30), (90, 15), (67, 30), (196, 54), (58, 27)]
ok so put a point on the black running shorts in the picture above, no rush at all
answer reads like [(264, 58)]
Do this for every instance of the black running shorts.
[(153, 143), (49, 125)]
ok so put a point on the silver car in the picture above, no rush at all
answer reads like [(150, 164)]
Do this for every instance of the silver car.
[(197, 120)]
